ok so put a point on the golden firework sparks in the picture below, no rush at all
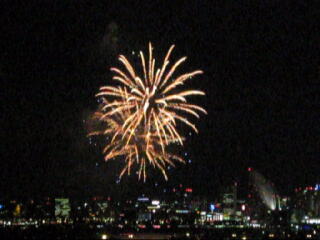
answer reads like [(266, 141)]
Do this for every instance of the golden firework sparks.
[(142, 112), (136, 150)]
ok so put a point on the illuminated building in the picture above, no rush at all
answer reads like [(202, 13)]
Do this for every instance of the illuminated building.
[(306, 204)]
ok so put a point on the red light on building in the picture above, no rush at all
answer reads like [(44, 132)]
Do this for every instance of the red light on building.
[(249, 169), (189, 190)]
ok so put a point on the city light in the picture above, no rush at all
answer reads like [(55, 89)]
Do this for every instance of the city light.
[(143, 199), (155, 202), (243, 207), (212, 207)]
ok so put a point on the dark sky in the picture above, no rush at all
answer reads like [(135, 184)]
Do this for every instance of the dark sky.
[(261, 75)]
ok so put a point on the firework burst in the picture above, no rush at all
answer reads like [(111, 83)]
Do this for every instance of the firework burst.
[(142, 112)]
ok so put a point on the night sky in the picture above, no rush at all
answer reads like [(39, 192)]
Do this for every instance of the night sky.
[(261, 75)]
